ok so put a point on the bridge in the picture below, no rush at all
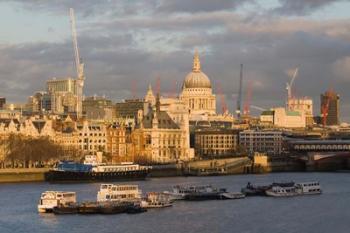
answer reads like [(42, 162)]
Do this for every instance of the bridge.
[(322, 154)]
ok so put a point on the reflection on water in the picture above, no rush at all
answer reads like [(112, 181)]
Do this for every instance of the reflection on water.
[(329, 212)]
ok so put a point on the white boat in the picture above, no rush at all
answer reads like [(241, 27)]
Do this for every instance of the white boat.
[(51, 199), (278, 191), (306, 188), (156, 200), (309, 188), (117, 192)]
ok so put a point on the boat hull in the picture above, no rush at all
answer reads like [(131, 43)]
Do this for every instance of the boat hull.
[(75, 176)]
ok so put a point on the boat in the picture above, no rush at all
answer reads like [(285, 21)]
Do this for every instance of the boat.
[(206, 192), (179, 192), (228, 196), (278, 191), (306, 188), (309, 188), (119, 193), (66, 209), (70, 171), (156, 200), (51, 199), (260, 190)]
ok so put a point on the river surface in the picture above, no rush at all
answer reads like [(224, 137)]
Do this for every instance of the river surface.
[(329, 212)]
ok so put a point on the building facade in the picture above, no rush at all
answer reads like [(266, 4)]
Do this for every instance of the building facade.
[(215, 142), (262, 141)]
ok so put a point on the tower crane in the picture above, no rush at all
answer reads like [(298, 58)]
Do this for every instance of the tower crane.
[(290, 84), (239, 99), (79, 65)]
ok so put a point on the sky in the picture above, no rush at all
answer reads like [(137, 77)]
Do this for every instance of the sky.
[(127, 45)]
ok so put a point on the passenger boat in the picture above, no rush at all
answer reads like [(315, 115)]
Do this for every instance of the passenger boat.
[(119, 193), (51, 199), (307, 188), (156, 200), (69, 171), (278, 191)]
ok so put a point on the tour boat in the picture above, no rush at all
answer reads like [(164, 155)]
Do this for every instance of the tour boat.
[(278, 191), (118, 192), (156, 200), (51, 199), (309, 188), (306, 188), (69, 171)]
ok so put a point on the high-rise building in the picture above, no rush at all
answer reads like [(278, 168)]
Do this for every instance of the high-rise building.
[(2, 102), (330, 102)]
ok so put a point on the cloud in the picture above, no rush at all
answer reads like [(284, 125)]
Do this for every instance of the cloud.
[(120, 50), (191, 6), (341, 68), (301, 7)]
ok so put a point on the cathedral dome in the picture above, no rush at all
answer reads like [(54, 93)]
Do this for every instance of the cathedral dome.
[(196, 78)]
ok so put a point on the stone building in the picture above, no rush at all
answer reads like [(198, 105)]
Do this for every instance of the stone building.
[(218, 142)]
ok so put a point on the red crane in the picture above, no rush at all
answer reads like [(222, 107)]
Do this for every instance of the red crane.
[(246, 108), (324, 110), (222, 98)]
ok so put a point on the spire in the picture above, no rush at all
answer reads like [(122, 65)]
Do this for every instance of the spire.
[(196, 62), (150, 96)]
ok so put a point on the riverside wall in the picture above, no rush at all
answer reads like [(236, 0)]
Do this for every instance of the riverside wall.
[(14, 175)]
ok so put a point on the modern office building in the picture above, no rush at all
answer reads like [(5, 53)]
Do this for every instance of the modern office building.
[(330, 104), (264, 141)]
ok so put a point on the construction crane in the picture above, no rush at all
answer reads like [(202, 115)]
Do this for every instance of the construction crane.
[(257, 108), (290, 85), (222, 98), (246, 108), (78, 65), (239, 99), (324, 110)]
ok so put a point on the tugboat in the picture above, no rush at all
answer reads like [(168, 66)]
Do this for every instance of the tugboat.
[(51, 199), (70, 171)]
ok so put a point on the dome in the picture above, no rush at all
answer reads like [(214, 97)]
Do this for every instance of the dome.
[(196, 78)]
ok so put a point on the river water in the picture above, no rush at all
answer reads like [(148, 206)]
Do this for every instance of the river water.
[(329, 212)]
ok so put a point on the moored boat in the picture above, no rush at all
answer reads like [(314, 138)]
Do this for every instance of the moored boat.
[(260, 190), (229, 196), (306, 188), (156, 200), (51, 199), (69, 171)]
